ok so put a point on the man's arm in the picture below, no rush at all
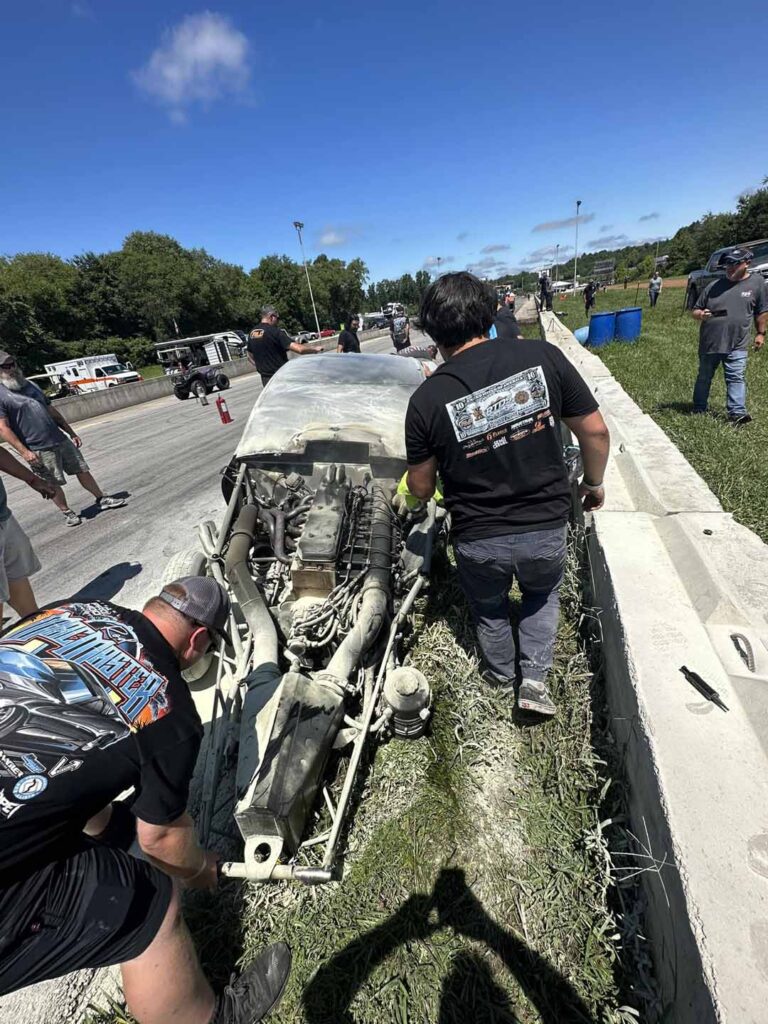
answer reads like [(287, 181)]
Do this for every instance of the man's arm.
[(305, 350), (422, 479), (8, 436), (59, 420), (595, 443), (14, 468), (174, 849), (761, 317)]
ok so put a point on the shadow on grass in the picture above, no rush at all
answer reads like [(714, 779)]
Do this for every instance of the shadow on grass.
[(469, 992)]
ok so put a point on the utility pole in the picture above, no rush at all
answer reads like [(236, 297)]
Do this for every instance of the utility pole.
[(557, 260), (439, 260), (299, 227), (576, 250)]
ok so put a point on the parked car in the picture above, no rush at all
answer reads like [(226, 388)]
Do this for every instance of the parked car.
[(327, 333), (198, 381), (304, 336), (699, 279)]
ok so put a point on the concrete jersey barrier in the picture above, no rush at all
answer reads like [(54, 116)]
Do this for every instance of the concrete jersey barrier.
[(676, 581)]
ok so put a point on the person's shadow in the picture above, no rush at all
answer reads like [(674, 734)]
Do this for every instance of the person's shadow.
[(469, 992)]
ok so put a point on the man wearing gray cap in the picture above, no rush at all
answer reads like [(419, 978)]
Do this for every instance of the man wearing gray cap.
[(726, 309), (269, 345), (94, 704)]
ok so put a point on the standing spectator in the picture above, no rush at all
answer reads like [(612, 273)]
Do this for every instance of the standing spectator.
[(654, 288), (18, 560), (589, 297), (269, 345), (400, 332), (726, 309), (37, 431), (507, 327), (348, 339), (488, 421), (545, 292), (626, 282), (95, 704)]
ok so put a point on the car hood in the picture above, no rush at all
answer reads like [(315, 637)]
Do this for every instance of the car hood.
[(333, 397)]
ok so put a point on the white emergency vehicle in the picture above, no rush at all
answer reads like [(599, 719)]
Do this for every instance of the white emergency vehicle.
[(93, 373)]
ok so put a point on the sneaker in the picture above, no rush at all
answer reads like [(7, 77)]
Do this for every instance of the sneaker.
[(534, 696), (107, 501), (257, 991), (71, 518), (740, 421)]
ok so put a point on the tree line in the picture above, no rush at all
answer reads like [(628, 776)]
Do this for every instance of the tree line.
[(153, 289)]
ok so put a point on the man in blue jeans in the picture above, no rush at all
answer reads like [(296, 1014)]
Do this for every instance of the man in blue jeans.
[(726, 309), (488, 420)]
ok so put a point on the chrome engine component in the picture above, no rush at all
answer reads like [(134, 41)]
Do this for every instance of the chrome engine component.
[(407, 697)]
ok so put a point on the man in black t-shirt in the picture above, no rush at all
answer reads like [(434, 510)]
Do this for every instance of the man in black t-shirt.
[(507, 327), (488, 421), (269, 345), (92, 703), (348, 339)]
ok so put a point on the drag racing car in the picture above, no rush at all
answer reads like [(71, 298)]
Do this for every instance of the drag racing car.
[(323, 573)]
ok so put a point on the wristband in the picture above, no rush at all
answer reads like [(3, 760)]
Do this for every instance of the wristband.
[(591, 487)]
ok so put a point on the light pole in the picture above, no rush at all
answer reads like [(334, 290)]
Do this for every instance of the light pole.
[(439, 260), (299, 226), (557, 260), (576, 249)]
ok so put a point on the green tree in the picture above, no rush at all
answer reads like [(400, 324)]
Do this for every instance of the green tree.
[(22, 336), (46, 283)]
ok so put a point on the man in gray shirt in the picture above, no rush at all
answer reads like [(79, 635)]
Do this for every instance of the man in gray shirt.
[(726, 310), (38, 432), (654, 288)]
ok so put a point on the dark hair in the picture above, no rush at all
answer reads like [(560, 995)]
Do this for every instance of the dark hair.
[(457, 308)]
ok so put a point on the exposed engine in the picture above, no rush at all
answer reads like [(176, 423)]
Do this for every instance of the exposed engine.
[(319, 568)]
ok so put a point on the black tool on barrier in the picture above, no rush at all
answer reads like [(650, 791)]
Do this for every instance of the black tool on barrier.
[(704, 688)]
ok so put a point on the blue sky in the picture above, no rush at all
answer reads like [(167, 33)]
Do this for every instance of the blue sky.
[(396, 131)]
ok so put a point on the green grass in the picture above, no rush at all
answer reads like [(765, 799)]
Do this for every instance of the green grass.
[(150, 371), (477, 882), (659, 371)]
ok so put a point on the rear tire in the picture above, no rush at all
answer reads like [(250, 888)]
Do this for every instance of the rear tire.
[(222, 381), (198, 389), (181, 395)]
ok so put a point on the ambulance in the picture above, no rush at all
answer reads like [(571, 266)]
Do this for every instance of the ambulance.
[(93, 373)]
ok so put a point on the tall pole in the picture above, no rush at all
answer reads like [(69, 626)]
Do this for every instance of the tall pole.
[(299, 225), (439, 259), (557, 260), (576, 249)]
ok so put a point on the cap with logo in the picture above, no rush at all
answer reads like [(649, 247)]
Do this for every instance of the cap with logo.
[(734, 256), (202, 600), (269, 311)]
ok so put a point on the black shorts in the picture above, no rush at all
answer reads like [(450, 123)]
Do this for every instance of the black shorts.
[(97, 907)]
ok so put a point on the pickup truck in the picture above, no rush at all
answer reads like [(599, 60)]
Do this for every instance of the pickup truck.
[(699, 279)]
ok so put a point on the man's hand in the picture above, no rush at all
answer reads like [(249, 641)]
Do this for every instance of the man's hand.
[(701, 314), (42, 487), (759, 341), (30, 457), (77, 441), (592, 499), (208, 877)]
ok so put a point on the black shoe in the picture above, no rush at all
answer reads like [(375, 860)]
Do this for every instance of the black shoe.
[(740, 421), (257, 991)]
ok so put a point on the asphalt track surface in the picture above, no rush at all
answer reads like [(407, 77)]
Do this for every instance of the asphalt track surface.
[(167, 456)]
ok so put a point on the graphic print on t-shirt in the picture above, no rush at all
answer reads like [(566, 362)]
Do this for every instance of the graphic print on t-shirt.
[(505, 411), (72, 680)]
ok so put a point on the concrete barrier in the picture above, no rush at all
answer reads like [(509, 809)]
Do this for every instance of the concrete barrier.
[(676, 581), (98, 403)]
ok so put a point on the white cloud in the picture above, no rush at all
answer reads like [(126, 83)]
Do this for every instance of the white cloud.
[(200, 60), (568, 222), (331, 237), (649, 216), (609, 242), (81, 10), (462, 237), (495, 248)]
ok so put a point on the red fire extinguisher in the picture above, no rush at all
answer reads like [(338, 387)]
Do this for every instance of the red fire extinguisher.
[(223, 411)]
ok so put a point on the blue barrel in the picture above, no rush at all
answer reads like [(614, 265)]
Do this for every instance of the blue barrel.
[(629, 323), (581, 335), (602, 327)]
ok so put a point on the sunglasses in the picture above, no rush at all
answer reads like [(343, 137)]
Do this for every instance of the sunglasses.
[(8, 366)]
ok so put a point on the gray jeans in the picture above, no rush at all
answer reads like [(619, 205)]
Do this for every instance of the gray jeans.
[(486, 570)]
